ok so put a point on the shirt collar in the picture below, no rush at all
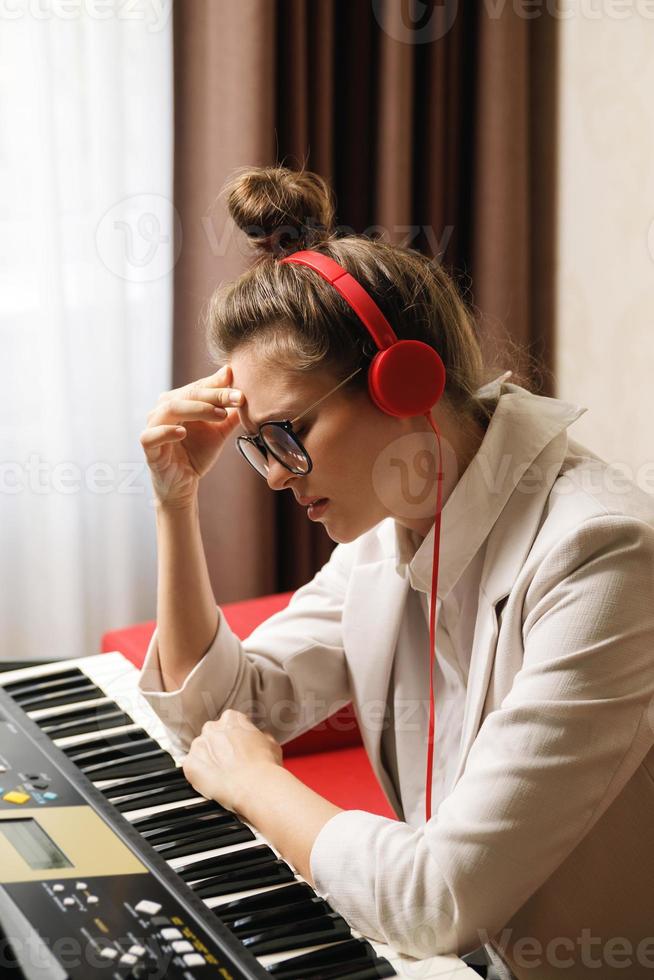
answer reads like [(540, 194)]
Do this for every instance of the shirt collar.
[(521, 426)]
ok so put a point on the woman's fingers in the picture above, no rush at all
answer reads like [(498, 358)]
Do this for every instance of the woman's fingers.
[(159, 435), (186, 410), (220, 379), (217, 396)]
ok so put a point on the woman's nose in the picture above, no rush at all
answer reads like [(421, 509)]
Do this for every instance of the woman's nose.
[(278, 476)]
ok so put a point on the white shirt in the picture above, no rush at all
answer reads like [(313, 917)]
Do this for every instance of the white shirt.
[(408, 701)]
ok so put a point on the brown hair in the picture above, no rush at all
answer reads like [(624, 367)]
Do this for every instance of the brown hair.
[(297, 320)]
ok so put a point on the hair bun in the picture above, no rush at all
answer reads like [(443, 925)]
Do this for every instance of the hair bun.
[(280, 210)]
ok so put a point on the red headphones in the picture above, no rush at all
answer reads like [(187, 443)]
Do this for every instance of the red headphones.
[(405, 378)]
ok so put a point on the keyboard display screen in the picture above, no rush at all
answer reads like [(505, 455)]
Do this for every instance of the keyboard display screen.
[(33, 844)]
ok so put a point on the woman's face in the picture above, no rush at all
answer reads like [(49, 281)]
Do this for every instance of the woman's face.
[(369, 465)]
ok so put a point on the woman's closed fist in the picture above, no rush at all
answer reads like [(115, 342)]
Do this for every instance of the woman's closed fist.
[(225, 761)]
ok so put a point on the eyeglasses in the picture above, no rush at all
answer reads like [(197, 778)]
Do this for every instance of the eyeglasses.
[(278, 439)]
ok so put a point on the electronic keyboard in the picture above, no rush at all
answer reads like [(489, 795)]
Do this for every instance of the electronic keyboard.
[(112, 865)]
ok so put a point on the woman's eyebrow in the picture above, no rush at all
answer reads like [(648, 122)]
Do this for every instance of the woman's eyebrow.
[(284, 413)]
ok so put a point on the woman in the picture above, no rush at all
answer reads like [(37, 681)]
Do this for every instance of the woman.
[(541, 839)]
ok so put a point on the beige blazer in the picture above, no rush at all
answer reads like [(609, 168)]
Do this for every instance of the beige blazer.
[(545, 845)]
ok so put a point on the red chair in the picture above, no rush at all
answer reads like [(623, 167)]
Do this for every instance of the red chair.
[(329, 758)]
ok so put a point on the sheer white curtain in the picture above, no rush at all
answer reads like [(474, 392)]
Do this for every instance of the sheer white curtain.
[(86, 249)]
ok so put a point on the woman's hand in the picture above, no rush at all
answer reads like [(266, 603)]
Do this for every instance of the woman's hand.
[(228, 759), (185, 434)]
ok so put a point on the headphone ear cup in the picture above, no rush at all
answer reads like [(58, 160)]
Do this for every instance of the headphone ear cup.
[(406, 379)]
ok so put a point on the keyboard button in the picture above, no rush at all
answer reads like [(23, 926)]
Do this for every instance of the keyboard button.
[(147, 908), (194, 959), (182, 946)]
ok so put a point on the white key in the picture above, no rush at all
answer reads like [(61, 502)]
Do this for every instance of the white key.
[(267, 959), (442, 967)]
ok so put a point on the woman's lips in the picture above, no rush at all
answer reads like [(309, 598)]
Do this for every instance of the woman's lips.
[(316, 510)]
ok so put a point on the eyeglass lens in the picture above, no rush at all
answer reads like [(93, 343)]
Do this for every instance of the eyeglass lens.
[(282, 445)]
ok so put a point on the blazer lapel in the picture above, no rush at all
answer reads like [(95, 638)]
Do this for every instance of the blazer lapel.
[(508, 547)]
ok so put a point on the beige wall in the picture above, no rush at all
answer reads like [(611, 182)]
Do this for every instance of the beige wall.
[(605, 304)]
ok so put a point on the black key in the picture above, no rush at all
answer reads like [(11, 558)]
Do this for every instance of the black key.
[(86, 725), (161, 779), (29, 684), (232, 833), (354, 953), (114, 752), (296, 912), (35, 688), (96, 748), (171, 816), (188, 828), (132, 765), (269, 874), (111, 753), (83, 692), (154, 797), (77, 714), (247, 857), (329, 928), (238, 907)]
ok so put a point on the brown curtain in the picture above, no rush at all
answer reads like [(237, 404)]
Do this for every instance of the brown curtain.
[(433, 121)]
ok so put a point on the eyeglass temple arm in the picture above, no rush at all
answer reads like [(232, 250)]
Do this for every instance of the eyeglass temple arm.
[(307, 410)]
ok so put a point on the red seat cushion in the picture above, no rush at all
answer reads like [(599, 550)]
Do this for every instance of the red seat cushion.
[(344, 777)]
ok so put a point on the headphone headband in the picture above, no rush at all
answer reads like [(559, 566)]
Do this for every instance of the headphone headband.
[(352, 292)]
